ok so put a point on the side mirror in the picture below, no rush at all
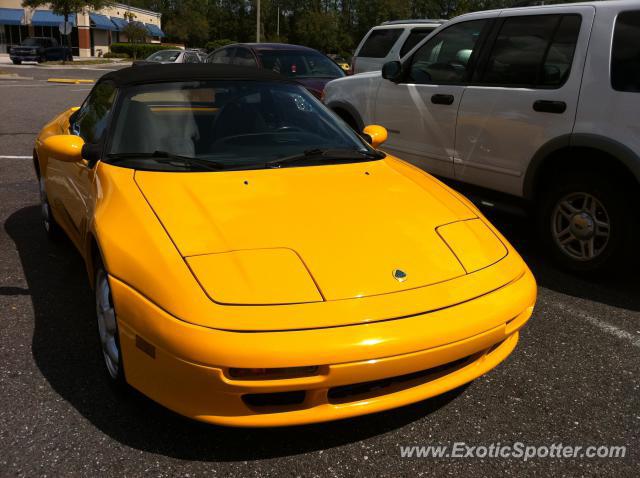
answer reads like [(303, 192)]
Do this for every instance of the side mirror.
[(64, 147), (375, 135), (392, 71)]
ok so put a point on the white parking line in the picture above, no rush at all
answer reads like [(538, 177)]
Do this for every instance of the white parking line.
[(15, 157), (601, 324)]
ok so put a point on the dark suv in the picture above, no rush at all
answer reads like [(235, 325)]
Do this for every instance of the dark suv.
[(39, 49)]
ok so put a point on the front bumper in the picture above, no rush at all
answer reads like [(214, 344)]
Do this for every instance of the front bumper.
[(30, 57), (362, 368)]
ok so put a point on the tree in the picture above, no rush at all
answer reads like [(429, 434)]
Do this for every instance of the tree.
[(65, 8), (135, 31)]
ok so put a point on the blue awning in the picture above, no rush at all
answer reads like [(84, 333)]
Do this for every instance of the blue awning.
[(101, 22), (120, 23), (11, 16), (46, 18), (154, 30)]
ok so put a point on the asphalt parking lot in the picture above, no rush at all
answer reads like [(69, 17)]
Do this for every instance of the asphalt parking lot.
[(573, 379)]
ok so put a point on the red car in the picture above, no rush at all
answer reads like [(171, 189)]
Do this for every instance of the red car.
[(307, 66)]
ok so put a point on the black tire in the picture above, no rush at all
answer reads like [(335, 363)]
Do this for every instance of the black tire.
[(17, 62), (52, 228), (572, 216), (107, 328)]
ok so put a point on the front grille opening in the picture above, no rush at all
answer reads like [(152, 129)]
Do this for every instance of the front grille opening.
[(273, 373), (278, 399), (364, 390)]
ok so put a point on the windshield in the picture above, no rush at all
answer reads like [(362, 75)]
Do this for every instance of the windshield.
[(232, 124), (33, 42), (299, 64), (164, 55)]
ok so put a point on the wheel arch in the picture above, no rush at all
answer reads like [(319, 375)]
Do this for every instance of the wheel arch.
[(582, 150), (348, 113), (93, 256)]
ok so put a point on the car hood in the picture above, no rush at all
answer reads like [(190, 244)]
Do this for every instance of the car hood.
[(316, 233)]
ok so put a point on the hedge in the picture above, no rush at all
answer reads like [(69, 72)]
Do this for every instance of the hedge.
[(215, 44), (138, 50)]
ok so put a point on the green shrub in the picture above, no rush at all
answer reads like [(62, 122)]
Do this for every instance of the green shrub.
[(111, 54), (215, 44), (138, 50)]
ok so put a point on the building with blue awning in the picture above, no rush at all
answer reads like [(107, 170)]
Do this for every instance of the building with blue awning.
[(92, 31), (46, 18), (11, 16)]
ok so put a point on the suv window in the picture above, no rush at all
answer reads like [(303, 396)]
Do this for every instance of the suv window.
[(92, 119), (244, 57), (415, 37), (445, 57), (222, 56), (625, 53), (379, 42), (533, 50)]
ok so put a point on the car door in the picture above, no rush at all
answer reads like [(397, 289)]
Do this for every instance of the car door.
[(71, 189), (420, 110), (524, 94)]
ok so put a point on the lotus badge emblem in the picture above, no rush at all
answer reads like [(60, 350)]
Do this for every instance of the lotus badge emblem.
[(399, 275)]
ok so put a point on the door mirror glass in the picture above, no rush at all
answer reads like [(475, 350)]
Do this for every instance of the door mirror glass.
[(64, 147), (375, 135), (392, 71)]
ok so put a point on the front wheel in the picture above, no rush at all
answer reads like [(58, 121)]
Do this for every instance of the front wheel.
[(108, 328), (17, 62), (586, 222)]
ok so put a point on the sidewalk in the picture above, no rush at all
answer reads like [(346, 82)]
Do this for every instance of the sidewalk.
[(86, 61)]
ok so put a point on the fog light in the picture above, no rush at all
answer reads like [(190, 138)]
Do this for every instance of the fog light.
[(273, 373)]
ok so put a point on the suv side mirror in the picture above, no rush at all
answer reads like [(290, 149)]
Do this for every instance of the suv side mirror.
[(64, 147), (392, 71)]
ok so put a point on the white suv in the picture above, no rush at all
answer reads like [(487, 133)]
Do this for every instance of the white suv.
[(390, 41), (542, 103)]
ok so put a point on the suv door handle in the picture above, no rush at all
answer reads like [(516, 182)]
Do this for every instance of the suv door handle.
[(546, 106), (442, 99)]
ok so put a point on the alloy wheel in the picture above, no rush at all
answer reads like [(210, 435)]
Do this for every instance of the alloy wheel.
[(580, 226)]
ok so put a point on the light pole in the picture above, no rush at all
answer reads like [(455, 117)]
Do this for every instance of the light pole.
[(258, 21), (278, 23)]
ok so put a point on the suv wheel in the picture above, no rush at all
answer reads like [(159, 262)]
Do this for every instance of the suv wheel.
[(17, 62), (586, 222), (108, 328)]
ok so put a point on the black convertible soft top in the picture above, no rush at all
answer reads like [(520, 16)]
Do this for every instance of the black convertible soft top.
[(189, 71)]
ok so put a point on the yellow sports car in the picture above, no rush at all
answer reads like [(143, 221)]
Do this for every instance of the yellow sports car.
[(257, 263)]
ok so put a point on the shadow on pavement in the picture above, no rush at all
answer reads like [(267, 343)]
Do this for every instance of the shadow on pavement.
[(65, 349), (616, 288)]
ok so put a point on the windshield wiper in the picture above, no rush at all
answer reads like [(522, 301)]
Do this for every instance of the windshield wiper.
[(165, 157), (326, 154)]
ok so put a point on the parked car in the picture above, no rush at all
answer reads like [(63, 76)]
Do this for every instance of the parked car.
[(341, 62), (306, 65), (257, 263), (539, 103), (39, 49), (390, 41), (173, 56)]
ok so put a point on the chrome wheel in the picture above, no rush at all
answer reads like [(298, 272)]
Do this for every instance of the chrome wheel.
[(107, 325), (580, 226), (45, 210)]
